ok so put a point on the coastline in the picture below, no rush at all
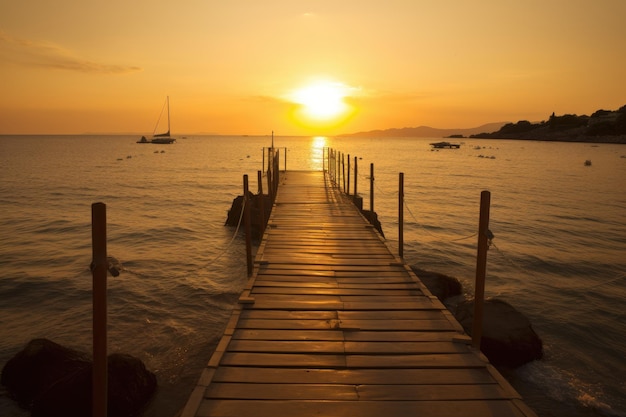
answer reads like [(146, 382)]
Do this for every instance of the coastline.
[(548, 135)]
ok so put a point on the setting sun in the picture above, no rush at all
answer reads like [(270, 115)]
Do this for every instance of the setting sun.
[(322, 104)]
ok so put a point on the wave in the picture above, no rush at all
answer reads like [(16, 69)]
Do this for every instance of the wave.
[(567, 391)]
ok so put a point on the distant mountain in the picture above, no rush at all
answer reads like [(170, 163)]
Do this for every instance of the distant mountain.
[(427, 132)]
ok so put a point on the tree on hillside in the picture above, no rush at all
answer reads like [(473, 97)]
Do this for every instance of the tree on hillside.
[(567, 121)]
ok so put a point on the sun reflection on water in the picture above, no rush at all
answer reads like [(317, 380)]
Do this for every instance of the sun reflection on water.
[(318, 143)]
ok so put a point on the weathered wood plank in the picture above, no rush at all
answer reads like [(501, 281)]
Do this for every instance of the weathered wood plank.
[(284, 360), (334, 291), (360, 392), (274, 334), (456, 376), (343, 315), (270, 346), (261, 408)]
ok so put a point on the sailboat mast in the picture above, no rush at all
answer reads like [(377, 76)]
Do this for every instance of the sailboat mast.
[(168, 115)]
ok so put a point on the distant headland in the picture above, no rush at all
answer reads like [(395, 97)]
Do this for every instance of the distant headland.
[(603, 126)]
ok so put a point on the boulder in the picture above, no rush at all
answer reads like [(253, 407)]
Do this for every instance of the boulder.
[(372, 217), (440, 285), (508, 338), (256, 200), (52, 380)]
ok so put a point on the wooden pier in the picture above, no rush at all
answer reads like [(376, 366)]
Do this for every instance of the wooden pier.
[(331, 323)]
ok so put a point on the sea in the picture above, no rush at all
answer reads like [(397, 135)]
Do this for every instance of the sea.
[(558, 252)]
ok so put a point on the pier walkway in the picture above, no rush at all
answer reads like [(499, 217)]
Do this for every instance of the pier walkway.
[(331, 323)]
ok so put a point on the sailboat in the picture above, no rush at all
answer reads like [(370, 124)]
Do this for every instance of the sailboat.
[(161, 138)]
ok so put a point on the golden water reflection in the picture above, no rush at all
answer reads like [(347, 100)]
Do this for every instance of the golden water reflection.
[(318, 143)]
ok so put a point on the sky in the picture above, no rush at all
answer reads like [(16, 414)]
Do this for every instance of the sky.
[(304, 67)]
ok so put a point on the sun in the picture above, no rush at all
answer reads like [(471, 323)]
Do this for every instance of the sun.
[(322, 100), (322, 103)]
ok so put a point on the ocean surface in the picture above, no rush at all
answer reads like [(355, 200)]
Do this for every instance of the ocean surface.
[(558, 256)]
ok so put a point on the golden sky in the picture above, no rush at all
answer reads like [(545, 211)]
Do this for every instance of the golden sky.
[(304, 67)]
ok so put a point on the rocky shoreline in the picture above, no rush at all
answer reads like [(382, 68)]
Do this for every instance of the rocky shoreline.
[(575, 135), (603, 126)]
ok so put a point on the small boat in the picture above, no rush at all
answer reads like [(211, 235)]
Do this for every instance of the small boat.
[(444, 145), (161, 138), (588, 162)]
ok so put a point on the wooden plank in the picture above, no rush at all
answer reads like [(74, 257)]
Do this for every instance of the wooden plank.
[(282, 392), (259, 289), (449, 360), (391, 315), (270, 346), (273, 334), (343, 315), (260, 408), (288, 315), (288, 324), (400, 336), (385, 325), (336, 267), (284, 360), (360, 392), (457, 376)]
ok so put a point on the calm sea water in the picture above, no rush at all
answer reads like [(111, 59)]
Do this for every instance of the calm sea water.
[(558, 254)]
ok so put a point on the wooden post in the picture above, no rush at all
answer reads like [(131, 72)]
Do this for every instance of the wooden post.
[(246, 220), (481, 268), (261, 204), (331, 162), (371, 187), (356, 175), (99, 283), (276, 171), (335, 170), (338, 170), (285, 159), (263, 161), (343, 171), (328, 156), (348, 190), (401, 216)]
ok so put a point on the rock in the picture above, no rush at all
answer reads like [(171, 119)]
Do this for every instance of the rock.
[(54, 381), (131, 385), (440, 285), (234, 214), (37, 367), (372, 217), (508, 338)]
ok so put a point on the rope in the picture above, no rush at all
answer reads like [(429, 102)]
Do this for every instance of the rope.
[(464, 238), (428, 231), (118, 267), (243, 207), (526, 272), (622, 276), (506, 258)]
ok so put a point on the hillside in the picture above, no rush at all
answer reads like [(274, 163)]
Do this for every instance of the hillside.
[(426, 131), (603, 126)]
